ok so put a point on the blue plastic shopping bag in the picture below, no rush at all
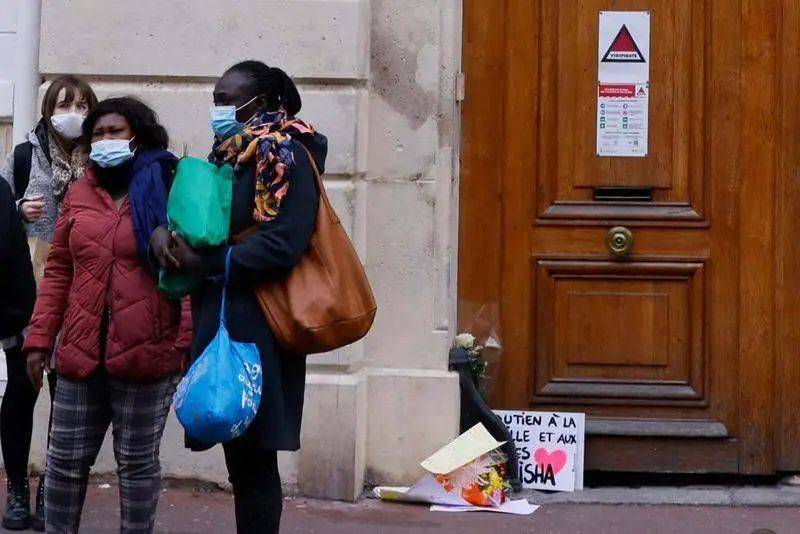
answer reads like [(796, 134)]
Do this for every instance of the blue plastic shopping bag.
[(218, 398)]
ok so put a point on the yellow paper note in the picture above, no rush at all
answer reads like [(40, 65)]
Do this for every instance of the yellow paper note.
[(472, 444)]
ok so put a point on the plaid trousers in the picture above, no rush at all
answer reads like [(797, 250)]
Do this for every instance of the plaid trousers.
[(82, 412)]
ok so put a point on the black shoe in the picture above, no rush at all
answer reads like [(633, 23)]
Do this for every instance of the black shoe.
[(18, 507), (38, 517)]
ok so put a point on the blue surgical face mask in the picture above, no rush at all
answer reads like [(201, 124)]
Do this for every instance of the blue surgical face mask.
[(223, 120), (111, 152)]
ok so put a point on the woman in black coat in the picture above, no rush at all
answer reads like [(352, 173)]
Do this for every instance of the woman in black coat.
[(17, 285), (275, 189)]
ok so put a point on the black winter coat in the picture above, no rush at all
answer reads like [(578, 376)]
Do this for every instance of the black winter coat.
[(17, 286), (269, 253)]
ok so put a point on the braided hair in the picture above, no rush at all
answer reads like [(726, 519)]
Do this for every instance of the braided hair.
[(271, 82)]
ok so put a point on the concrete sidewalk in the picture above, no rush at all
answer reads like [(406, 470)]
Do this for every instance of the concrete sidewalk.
[(195, 510)]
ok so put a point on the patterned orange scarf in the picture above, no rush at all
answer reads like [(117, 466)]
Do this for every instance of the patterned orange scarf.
[(267, 137)]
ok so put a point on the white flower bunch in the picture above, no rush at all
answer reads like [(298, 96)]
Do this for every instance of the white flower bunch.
[(477, 364), (465, 341), (468, 343)]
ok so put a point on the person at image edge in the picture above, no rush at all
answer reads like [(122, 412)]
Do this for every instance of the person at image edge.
[(40, 171), (123, 343)]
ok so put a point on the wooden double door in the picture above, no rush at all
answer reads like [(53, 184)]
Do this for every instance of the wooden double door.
[(685, 352)]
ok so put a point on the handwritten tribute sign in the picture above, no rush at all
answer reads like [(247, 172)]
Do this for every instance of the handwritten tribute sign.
[(549, 448)]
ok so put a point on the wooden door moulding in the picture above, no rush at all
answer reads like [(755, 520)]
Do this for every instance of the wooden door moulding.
[(651, 244), (659, 393), (651, 214), (672, 455), (677, 428), (759, 26), (787, 282)]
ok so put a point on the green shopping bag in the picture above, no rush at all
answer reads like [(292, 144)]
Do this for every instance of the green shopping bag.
[(199, 210)]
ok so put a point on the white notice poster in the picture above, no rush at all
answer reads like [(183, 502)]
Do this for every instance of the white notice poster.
[(622, 119), (623, 50), (623, 86)]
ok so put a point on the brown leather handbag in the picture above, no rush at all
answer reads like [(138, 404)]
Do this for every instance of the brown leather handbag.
[(326, 301)]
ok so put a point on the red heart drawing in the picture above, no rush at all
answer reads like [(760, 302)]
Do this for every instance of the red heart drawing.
[(556, 459)]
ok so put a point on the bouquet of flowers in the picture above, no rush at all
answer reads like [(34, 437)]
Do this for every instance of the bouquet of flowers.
[(481, 482)]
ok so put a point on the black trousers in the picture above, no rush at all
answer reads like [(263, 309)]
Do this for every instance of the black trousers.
[(16, 415), (257, 495)]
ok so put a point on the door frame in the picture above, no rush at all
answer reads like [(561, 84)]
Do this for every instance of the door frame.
[(787, 231), (768, 159)]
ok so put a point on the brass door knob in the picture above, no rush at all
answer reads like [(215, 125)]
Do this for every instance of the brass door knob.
[(619, 241)]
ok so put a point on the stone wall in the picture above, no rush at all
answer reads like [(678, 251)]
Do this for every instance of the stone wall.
[(377, 77), (8, 42)]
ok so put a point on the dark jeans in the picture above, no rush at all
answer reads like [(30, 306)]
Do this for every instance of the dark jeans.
[(257, 495), (16, 415)]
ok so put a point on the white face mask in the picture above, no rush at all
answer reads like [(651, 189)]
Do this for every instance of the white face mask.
[(68, 125)]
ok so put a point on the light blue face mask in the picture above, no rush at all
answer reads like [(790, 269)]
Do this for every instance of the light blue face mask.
[(111, 152), (223, 120)]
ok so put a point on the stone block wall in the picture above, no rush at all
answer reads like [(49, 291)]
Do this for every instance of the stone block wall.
[(8, 42)]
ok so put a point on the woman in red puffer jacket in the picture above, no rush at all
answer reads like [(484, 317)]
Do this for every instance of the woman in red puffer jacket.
[(122, 343)]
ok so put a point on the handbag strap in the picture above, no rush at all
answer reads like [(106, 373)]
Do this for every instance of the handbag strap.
[(224, 299), (323, 195)]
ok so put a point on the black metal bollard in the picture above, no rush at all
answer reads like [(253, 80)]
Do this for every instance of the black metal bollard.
[(474, 410)]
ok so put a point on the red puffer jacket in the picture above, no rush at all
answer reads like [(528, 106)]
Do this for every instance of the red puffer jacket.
[(93, 265)]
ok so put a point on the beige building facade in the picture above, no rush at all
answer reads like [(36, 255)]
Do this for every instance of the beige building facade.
[(379, 78)]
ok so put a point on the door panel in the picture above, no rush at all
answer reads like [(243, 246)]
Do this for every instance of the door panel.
[(569, 167), (669, 350), (623, 331)]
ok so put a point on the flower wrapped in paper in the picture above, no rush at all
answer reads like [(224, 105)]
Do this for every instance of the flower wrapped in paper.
[(481, 482), (467, 474)]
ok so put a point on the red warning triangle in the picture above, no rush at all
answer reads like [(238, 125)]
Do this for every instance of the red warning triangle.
[(623, 49), (641, 92)]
